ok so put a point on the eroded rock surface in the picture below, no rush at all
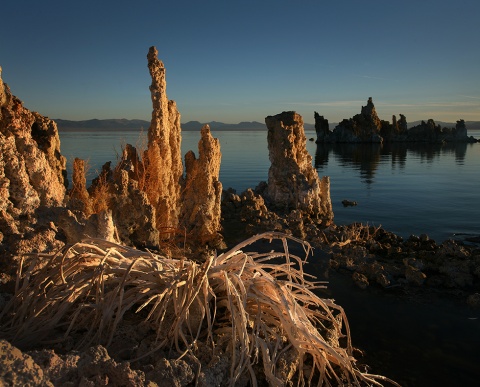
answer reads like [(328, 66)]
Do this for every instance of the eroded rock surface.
[(293, 182), (201, 199), (163, 157), (32, 173), (32, 169), (150, 199), (19, 369)]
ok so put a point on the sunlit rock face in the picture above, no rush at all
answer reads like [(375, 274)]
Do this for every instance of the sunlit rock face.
[(32, 170), (149, 198), (293, 182), (201, 199), (164, 157), (191, 201)]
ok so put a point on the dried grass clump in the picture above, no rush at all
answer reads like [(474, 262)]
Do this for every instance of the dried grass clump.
[(352, 233), (266, 308)]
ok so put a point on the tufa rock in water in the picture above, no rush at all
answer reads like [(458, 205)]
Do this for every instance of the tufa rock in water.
[(363, 127), (293, 182), (366, 127), (321, 127)]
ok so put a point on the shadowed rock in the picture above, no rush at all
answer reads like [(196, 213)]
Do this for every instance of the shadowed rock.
[(367, 127)]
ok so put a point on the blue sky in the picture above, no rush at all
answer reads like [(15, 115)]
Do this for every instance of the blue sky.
[(235, 61)]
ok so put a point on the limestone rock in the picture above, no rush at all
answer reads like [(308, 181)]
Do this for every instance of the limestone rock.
[(3, 94), (431, 132), (149, 198), (93, 367), (133, 214), (293, 182), (32, 170), (163, 156), (31, 148), (413, 275), (367, 127), (99, 225), (321, 127), (201, 199), (19, 369), (360, 280), (363, 127), (79, 197), (171, 373)]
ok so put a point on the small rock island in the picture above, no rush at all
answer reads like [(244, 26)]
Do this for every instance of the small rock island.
[(367, 127)]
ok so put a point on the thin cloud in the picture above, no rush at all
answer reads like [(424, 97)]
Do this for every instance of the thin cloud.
[(469, 96), (371, 77), (430, 104), (329, 104)]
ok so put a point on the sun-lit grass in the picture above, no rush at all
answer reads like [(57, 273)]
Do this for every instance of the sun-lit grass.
[(264, 303)]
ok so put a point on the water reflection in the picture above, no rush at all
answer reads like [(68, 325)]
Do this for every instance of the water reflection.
[(366, 158)]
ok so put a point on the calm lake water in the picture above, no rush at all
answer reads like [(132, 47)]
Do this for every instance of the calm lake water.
[(407, 189)]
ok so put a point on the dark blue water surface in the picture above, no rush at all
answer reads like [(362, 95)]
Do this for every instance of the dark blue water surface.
[(407, 189)]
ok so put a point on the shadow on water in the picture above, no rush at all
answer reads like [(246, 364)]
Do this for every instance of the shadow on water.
[(423, 340)]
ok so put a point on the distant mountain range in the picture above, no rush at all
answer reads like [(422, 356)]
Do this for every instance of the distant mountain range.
[(124, 124), (110, 124)]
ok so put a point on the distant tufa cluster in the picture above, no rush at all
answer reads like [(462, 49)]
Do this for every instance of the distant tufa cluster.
[(366, 127)]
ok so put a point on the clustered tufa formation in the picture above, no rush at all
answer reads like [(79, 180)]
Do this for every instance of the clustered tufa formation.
[(366, 127)]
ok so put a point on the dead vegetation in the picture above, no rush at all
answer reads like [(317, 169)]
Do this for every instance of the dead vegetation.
[(263, 303)]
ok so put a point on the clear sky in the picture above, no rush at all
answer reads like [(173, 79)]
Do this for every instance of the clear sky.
[(235, 61)]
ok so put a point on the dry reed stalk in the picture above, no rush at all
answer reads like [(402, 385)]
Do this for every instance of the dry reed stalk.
[(266, 308), (356, 232)]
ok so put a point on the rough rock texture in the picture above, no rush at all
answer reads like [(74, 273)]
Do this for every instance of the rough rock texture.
[(32, 172), (385, 259), (367, 127), (19, 369), (31, 167), (149, 198), (79, 197), (164, 147), (293, 182), (113, 208), (201, 198), (133, 214)]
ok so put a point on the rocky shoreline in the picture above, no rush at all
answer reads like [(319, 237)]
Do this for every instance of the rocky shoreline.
[(147, 201)]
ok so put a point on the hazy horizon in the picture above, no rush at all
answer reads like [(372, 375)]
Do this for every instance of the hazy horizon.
[(233, 62)]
